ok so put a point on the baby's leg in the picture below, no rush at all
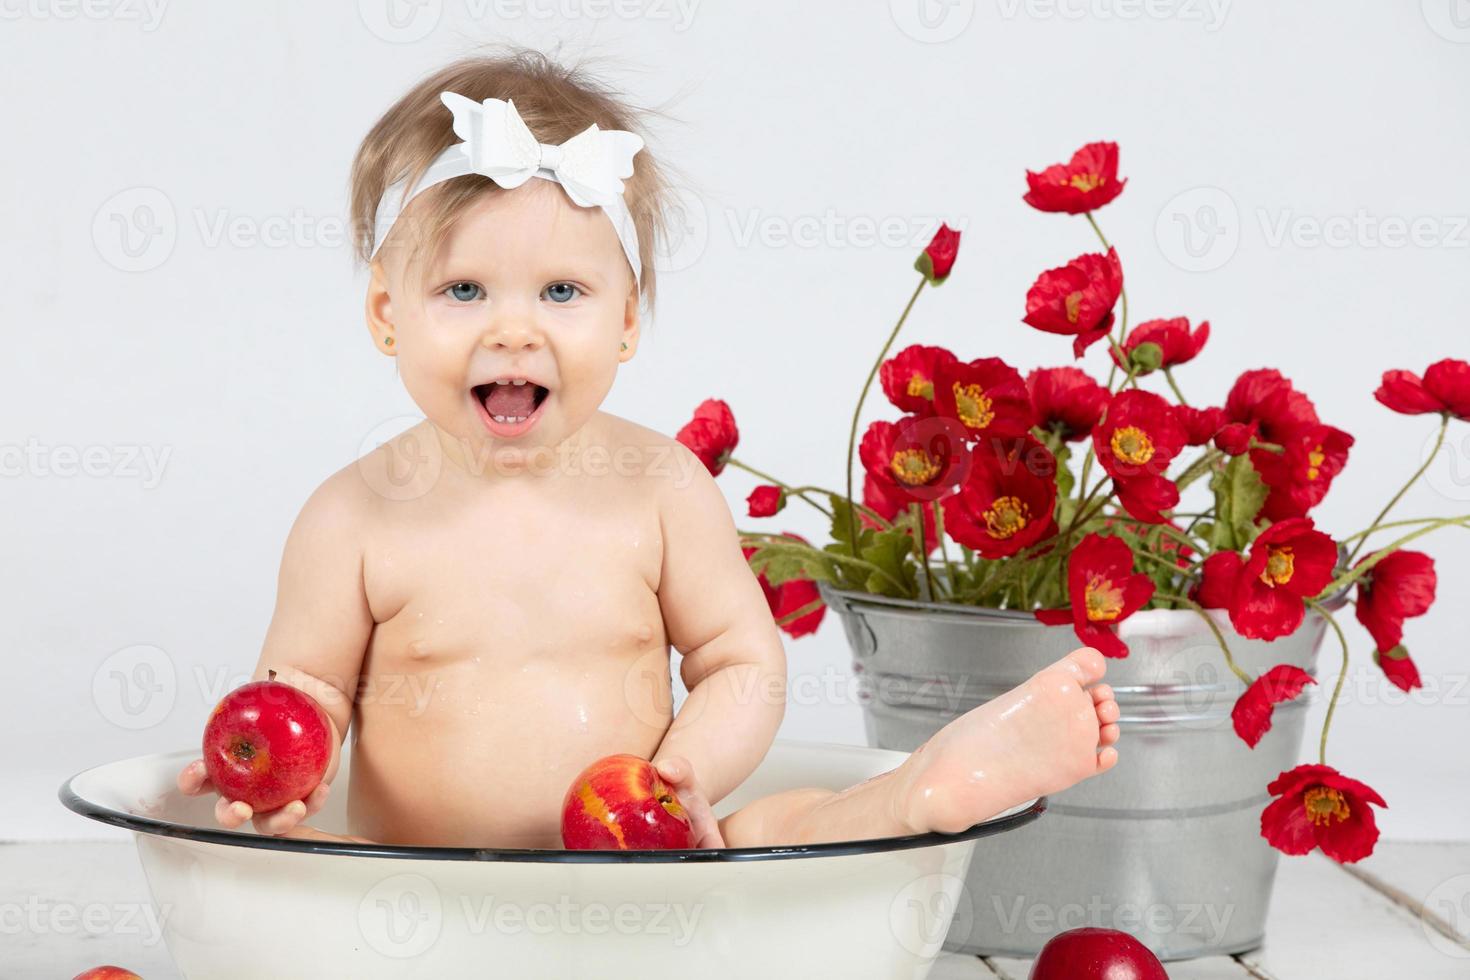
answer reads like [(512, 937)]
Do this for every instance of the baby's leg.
[(1050, 733)]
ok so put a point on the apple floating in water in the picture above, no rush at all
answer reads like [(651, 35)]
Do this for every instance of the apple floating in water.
[(107, 973), (1096, 954), (267, 743), (620, 802)]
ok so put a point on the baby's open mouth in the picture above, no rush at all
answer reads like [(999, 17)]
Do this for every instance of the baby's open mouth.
[(509, 401)]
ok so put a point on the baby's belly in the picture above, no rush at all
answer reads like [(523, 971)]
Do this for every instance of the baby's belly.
[(478, 748)]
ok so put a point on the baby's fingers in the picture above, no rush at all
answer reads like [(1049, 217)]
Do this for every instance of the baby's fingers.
[(193, 780), (232, 813), (317, 798), (277, 822)]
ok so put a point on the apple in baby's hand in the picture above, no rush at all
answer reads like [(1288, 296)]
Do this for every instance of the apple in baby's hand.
[(1096, 954), (107, 973), (620, 802), (267, 743)]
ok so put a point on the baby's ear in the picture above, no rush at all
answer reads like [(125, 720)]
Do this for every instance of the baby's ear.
[(379, 311), (631, 325)]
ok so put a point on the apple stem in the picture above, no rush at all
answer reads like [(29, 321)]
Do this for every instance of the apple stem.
[(270, 675)]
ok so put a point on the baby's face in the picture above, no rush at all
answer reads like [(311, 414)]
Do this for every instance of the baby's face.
[(513, 339)]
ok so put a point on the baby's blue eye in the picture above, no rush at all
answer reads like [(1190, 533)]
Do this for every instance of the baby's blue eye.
[(561, 292), (465, 292)]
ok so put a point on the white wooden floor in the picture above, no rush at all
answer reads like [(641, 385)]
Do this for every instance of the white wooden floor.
[(1404, 914)]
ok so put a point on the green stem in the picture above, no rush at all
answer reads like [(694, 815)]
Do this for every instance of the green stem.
[(805, 610), (1444, 424), (1169, 377), (841, 559), (1388, 525), (949, 574), (1199, 468), (857, 411), (1245, 678), (798, 492), (1366, 565), (1123, 292), (1341, 677), (922, 547)]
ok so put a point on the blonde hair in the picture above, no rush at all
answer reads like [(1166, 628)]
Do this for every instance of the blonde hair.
[(556, 103)]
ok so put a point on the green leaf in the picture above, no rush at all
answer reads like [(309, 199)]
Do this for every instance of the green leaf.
[(1239, 495), (889, 552), (786, 560), (842, 525), (1065, 480)]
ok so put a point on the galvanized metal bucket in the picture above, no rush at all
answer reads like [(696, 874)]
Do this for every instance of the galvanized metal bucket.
[(1166, 845)]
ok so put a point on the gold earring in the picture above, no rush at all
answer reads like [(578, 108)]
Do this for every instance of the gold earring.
[(387, 341), (625, 345)]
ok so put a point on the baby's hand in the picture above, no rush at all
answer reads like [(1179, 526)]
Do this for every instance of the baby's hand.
[(679, 774), (194, 781)]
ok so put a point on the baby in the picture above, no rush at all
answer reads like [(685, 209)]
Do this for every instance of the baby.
[(530, 573)]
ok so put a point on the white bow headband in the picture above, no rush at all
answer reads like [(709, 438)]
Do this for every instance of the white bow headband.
[(590, 166)]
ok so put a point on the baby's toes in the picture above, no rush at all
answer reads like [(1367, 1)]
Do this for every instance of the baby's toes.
[(1108, 735), (1106, 759)]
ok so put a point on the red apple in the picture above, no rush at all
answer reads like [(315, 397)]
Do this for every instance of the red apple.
[(107, 973), (621, 803), (267, 743), (1096, 954)]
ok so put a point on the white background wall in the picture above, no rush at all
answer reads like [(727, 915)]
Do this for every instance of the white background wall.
[(1251, 126)]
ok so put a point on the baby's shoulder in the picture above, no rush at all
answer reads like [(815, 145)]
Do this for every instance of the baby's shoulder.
[(660, 463)]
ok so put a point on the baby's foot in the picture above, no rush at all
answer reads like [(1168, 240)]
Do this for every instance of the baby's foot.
[(1053, 731)]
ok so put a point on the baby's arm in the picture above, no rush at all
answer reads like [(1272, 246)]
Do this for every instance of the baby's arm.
[(317, 636), (734, 665)]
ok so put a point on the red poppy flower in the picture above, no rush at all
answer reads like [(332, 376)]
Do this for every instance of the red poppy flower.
[(1267, 401), (915, 459), (1300, 476), (711, 434), (765, 500), (938, 256), (1200, 424), (987, 396), (1103, 590), (1176, 344), (1398, 667), (1251, 715), (1135, 443), (1234, 438), (1400, 586), (1086, 183), (908, 377), (1077, 299), (882, 499), (1319, 807), (1006, 503), (1288, 563), (1066, 401), (1219, 577), (1445, 387), (789, 596)]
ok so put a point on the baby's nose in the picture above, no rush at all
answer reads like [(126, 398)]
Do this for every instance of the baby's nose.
[(512, 334)]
